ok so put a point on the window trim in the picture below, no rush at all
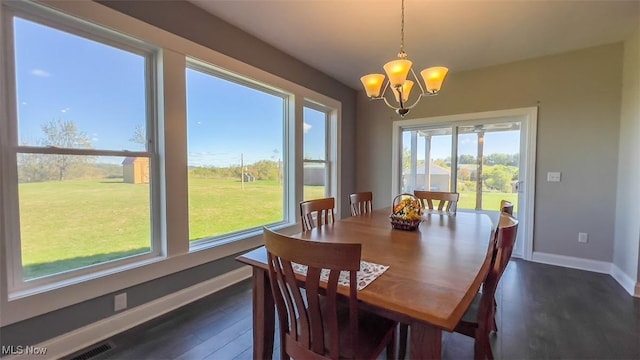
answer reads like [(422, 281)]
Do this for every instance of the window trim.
[(328, 149), (17, 285)]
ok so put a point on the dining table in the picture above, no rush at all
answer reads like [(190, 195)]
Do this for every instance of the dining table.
[(433, 273)]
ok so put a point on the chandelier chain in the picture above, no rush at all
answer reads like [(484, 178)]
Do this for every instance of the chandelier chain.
[(402, 54)]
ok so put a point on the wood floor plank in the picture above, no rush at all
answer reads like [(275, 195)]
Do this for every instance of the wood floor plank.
[(232, 349), (214, 343), (544, 312)]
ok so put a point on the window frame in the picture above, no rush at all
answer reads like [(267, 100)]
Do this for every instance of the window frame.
[(17, 285), (328, 149), (220, 73)]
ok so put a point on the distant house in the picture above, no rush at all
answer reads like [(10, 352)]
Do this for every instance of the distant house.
[(135, 170), (440, 178)]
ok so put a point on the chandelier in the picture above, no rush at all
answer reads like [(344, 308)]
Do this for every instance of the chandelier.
[(398, 72)]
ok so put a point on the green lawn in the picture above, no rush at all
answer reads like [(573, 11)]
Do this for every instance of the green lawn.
[(74, 223), (490, 200)]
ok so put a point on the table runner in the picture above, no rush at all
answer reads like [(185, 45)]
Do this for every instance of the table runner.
[(367, 273)]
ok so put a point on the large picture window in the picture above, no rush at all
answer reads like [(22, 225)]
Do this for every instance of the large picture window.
[(235, 154), (83, 160)]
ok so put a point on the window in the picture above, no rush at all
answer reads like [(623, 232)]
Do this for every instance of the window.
[(426, 159), (95, 196), (236, 133), (316, 166), (84, 160)]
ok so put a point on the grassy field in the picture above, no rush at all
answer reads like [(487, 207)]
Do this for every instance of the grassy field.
[(75, 223), (490, 200)]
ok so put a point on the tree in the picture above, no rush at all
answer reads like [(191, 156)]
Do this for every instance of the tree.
[(467, 159), (65, 134), (497, 178), (139, 137), (464, 174)]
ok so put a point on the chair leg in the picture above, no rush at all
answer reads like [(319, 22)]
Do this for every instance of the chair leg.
[(494, 326), (482, 345), (402, 341), (391, 347), (283, 348)]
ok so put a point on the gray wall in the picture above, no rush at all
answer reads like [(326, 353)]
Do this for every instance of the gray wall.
[(627, 233), (578, 94), (188, 21)]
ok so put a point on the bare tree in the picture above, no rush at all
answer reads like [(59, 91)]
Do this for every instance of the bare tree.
[(139, 137), (65, 134)]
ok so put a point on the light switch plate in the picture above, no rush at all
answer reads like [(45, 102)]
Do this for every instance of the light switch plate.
[(553, 176)]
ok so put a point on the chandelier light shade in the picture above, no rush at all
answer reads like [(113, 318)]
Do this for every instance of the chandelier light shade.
[(406, 90), (398, 73), (372, 84), (433, 78)]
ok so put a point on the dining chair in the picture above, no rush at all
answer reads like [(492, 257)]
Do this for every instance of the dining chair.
[(479, 319), (317, 322), (447, 201), (321, 209), (361, 203), (506, 207)]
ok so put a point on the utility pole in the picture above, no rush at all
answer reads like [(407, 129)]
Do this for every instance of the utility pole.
[(242, 171)]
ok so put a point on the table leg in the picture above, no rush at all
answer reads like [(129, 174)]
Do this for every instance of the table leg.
[(263, 315), (425, 340)]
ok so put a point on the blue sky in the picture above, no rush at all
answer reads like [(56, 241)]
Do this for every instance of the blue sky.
[(504, 142), (102, 89)]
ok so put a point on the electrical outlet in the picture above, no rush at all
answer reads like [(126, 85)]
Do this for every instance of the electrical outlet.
[(583, 237), (120, 302)]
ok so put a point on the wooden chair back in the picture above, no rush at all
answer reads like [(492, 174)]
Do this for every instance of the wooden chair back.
[(309, 322), (321, 209), (506, 207), (447, 201), (502, 249), (361, 203)]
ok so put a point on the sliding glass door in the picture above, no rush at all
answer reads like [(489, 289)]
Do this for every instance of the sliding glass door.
[(484, 158), (488, 165)]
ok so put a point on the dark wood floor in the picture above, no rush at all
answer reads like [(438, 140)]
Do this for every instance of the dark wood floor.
[(545, 312)]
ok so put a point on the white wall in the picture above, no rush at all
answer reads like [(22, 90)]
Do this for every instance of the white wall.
[(627, 228)]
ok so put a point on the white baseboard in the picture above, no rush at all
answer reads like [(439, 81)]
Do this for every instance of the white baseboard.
[(602, 267), (88, 335), (625, 280)]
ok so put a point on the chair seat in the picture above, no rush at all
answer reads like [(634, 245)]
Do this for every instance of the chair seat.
[(472, 312)]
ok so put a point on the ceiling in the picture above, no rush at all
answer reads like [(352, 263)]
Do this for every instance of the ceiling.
[(349, 38)]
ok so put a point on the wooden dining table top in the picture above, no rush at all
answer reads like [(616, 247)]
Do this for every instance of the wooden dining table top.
[(434, 272)]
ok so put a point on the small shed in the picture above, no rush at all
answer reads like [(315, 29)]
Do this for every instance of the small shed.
[(135, 170)]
